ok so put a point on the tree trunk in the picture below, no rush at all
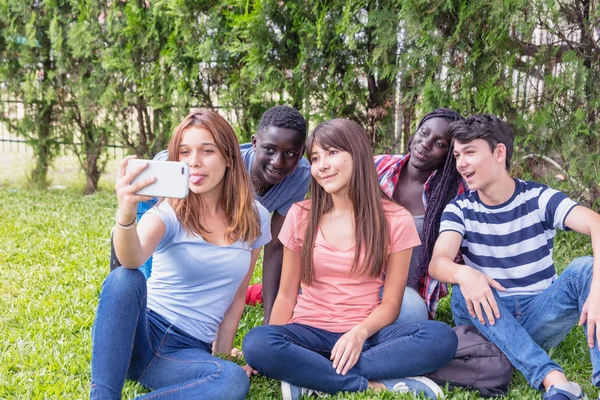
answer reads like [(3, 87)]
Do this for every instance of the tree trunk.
[(142, 150), (92, 174), (42, 147), (42, 144)]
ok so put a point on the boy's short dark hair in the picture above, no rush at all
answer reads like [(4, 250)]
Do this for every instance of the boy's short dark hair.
[(487, 127), (283, 117)]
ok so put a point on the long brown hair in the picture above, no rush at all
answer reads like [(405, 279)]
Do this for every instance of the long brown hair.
[(371, 230), (243, 221)]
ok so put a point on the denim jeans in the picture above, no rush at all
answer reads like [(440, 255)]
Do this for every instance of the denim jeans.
[(299, 354), (413, 307), (130, 341), (529, 325)]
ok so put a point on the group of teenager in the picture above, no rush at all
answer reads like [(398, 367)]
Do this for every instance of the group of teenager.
[(353, 275)]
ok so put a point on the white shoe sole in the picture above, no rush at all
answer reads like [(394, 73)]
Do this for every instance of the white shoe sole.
[(286, 391)]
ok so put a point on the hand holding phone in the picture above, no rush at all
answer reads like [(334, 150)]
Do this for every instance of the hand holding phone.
[(172, 178)]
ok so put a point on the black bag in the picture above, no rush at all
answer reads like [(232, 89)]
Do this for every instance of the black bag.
[(478, 365)]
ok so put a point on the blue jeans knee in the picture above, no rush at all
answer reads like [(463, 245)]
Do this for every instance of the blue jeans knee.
[(580, 268), (255, 345), (578, 276), (444, 341), (236, 382), (124, 277), (123, 283)]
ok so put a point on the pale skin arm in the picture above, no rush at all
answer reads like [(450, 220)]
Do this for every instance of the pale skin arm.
[(587, 222), (348, 348), (287, 295), (224, 342), (475, 286), (134, 246)]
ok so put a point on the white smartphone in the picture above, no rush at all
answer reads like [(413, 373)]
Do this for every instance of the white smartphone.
[(172, 178)]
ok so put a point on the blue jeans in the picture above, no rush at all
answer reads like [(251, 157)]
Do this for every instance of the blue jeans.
[(530, 324), (130, 341), (299, 354), (413, 308)]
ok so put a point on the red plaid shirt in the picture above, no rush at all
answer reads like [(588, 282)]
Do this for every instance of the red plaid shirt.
[(388, 170)]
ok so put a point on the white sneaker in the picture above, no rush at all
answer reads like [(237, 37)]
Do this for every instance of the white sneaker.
[(416, 385)]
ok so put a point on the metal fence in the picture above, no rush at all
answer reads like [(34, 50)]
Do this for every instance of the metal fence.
[(10, 142)]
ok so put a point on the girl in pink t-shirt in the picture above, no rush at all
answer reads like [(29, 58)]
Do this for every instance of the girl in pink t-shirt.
[(335, 334)]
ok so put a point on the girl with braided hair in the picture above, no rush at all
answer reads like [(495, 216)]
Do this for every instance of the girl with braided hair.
[(423, 181)]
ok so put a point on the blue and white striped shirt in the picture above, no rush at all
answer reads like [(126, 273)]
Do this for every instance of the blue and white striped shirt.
[(512, 242)]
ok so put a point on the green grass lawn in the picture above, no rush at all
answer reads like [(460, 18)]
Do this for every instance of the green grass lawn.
[(54, 252)]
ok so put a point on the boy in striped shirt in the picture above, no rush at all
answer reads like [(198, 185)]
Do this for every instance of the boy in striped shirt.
[(508, 287)]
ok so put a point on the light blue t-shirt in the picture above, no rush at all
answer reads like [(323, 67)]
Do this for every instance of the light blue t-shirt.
[(193, 282)]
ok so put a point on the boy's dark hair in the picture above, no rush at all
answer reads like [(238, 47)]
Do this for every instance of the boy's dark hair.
[(487, 127), (283, 117)]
